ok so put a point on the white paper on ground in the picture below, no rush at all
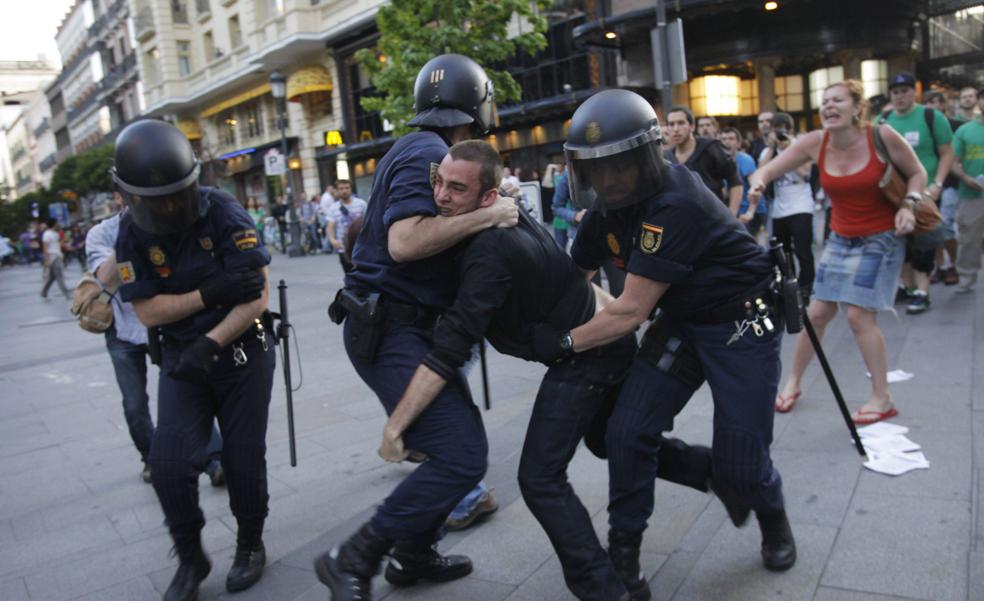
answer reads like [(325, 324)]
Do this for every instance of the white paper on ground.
[(882, 429), (889, 444), (896, 464), (896, 375)]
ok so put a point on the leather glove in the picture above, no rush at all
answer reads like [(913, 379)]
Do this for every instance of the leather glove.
[(196, 362), (230, 288), (546, 344)]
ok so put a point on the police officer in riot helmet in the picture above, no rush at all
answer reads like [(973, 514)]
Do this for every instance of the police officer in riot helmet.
[(404, 278), (686, 254), (192, 264)]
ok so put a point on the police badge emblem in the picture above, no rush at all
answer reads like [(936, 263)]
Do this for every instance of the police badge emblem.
[(613, 245), (592, 133), (156, 255), (206, 243), (652, 237)]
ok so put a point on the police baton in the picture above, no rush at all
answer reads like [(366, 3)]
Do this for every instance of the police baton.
[(791, 289), (485, 374), (283, 334)]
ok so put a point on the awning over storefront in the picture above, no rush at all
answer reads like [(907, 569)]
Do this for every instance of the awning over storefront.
[(310, 79), (235, 100), (189, 127)]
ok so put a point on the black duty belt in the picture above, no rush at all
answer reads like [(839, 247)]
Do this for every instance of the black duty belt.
[(737, 308), (411, 315)]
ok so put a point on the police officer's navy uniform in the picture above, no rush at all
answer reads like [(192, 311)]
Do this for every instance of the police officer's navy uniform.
[(239, 387), (509, 280)]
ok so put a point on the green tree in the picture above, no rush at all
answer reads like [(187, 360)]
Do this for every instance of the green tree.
[(414, 31), (85, 173)]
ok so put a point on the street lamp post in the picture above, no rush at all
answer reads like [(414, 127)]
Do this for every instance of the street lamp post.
[(278, 87)]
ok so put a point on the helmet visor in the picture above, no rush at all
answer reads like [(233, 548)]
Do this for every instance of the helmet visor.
[(169, 214), (615, 180)]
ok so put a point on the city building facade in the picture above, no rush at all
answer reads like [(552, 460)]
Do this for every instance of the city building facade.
[(19, 84)]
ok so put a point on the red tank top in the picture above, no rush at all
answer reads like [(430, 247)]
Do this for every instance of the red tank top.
[(858, 207)]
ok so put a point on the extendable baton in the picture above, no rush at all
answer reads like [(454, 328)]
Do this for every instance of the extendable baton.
[(283, 333), (485, 374)]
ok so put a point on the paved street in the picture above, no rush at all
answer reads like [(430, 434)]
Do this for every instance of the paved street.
[(76, 521)]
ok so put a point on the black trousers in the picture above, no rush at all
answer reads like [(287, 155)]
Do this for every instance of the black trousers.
[(796, 233), (569, 397)]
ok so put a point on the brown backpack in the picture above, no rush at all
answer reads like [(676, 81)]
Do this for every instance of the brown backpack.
[(92, 304)]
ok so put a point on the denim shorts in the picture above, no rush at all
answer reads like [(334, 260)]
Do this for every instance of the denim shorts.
[(948, 209), (862, 271)]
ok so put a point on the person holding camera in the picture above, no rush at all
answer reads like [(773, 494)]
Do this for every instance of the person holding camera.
[(792, 206), (863, 257)]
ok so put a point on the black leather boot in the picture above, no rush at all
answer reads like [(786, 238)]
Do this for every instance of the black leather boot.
[(247, 567), (737, 510), (347, 570), (194, 567), (623, 549), (408, 565), (778, 546)]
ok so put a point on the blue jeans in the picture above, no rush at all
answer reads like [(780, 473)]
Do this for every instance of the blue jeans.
[(468, 504), (130, 365)]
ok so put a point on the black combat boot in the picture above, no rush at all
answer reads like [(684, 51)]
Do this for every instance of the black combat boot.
[(247, 567), (778, 546), (623, 549), (348, 570), (194, 567), (409, 564), (737, 510)]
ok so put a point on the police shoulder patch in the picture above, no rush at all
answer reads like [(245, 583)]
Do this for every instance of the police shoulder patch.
[(613, 244), (245, 239), (652, 238), (125, 269)]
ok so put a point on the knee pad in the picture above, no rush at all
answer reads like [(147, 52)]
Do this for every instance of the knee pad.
[(740, 459)]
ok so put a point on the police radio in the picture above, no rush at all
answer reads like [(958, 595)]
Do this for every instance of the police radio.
[(788, 288)]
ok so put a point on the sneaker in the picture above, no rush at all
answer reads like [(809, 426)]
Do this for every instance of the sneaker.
[(966, 286), (903, 295), (485, 507), (950, 277), (145, 473), (918, 304)]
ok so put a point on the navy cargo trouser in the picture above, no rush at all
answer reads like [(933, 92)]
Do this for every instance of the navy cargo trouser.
[(570, 395), (449, 432), (239, 396), (743, 379)]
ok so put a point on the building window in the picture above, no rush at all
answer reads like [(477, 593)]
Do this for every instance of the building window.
[(958, 32), (749, 97), (235, 32), (152, 66), (226, 124), (368, 124), (203, 8), (184, 57), (179, 11), (252, 116), (715, 95), (208, 42), (874, 76), (789, 93), (820, 79)]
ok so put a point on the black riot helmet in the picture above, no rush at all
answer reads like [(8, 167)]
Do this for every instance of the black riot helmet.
[(453, 90), (156, 172), (614, 151)]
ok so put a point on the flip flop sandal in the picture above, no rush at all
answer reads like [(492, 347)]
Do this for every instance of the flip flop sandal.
[(875, 416)]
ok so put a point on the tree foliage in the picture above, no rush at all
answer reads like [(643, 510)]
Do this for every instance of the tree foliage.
[(414, 31), (85, 173)]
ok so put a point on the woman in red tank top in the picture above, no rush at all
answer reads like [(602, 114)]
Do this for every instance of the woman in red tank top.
[(862, 260)]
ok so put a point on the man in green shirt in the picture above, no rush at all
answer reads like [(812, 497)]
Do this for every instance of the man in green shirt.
[(968, 149), (932, 146)]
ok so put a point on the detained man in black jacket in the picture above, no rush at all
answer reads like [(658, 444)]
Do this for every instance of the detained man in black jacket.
[(510, 279)]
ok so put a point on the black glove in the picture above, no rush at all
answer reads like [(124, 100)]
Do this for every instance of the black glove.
[(196, 362), (230, 288), (546, 344)]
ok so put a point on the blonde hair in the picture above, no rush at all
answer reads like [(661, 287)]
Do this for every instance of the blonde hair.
[(856, 89)]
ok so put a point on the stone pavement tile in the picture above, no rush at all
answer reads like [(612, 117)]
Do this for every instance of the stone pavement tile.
[(511, 546), (13, 590), (977, 422), (48, 548), (672, 573), (949, 476), (6, 532), (975, 583), (137, 589), (730, 569), (815, 425), (825, 593), (933, 406), (458, 590), (24, 434), (546, 584), (12, 465), (977, 511), (906, 546), (279, 583), (817, 486)]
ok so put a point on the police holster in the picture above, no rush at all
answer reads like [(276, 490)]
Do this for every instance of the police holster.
[(669, 353), (367, 317), (154, 345)]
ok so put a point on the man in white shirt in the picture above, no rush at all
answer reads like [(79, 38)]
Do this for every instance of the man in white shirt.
[(343, 212), (54, 260)]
